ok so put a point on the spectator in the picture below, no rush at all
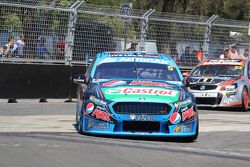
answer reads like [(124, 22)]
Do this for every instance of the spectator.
[(225, 54), (41, 49), (10, 49), (1, 51), (199, 55), (20, 45), (186, 57), (132, 46), (246, 53), (233, 53), (60, 48)]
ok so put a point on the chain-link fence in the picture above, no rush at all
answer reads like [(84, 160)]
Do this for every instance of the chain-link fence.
[(68, 32)]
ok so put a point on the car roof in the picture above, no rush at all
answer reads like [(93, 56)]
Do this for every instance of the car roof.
[(136, 54)]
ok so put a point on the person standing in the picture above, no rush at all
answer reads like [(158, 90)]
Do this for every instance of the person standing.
[(41, 50), (60, 48), (246, 54), (20, 45), (1, 51), (186, 57), (225, 54), (233, 53)]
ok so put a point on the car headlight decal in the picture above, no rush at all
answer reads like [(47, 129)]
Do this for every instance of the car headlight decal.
[(231, 87)]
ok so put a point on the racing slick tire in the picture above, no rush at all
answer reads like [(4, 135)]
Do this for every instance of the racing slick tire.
[(79, 123), (78, 118), (244, 100)]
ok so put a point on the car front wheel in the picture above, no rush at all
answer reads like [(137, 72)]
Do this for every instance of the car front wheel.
[(244, 99)]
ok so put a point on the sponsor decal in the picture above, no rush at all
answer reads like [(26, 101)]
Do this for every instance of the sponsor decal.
[(134, 55), (184, 109), (107, 60), (219, 62), (175, 82), (205, 94), (177, 129), (151, 56), (202, 87), (187, 128), (101, 115), (149, 83), (97, 101), (100, 80), (93, 125), (89, 108), (114, 83), (142, 91), (182, 103), (126, 55), (132, 116), (143, 60), (188, 114), (145, 118), (170, 68), (175, 118)]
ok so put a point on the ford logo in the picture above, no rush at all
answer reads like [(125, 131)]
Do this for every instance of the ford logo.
[(202, 87)]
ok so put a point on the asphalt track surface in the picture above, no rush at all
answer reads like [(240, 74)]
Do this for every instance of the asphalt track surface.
[(36, 134)]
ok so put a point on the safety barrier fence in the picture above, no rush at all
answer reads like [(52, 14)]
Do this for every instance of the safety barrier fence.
[(71, 32)]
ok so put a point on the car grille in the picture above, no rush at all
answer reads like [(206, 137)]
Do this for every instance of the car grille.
[(141, 126), (141, 108), (206, 87)]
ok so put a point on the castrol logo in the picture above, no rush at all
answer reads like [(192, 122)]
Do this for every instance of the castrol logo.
[(142, 91)]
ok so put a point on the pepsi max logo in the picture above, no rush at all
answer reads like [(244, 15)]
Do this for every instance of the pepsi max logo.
[(89, 108), (175, 118)]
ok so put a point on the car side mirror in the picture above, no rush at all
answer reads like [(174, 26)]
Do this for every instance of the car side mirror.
[(80, 79)]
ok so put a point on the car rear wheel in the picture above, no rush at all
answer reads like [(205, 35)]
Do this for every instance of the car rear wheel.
[(244, 101)]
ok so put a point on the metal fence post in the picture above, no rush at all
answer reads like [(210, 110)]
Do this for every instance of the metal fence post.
[(144, 28), (71, 32), (208, 35), (70, 41)]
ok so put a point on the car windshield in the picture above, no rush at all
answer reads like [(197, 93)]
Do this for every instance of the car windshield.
[(218, 70), (136, 70)]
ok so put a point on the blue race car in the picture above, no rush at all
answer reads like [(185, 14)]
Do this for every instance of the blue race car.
[(135, 94)]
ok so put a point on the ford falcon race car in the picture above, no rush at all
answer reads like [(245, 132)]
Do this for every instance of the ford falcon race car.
[(221, 83), (135, 94)]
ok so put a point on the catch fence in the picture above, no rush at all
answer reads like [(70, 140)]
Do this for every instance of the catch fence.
[(73, 32)]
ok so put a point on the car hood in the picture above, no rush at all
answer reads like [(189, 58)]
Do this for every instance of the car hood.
[(143, 91), (211, 80)]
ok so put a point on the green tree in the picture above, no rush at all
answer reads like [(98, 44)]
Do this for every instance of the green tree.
[(12, 22)]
